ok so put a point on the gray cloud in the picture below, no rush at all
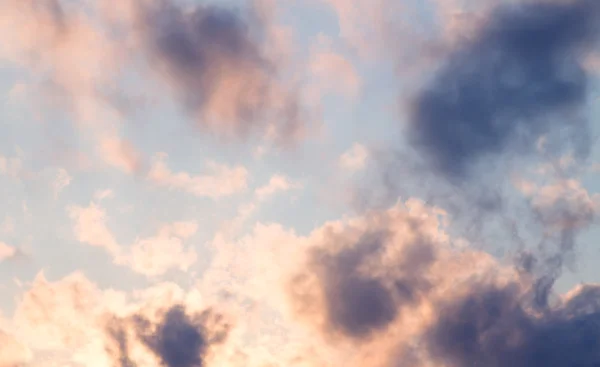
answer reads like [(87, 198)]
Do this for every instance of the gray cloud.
[(516, 80), (357, 301), (214, 59), (179, 339), (492, 326)]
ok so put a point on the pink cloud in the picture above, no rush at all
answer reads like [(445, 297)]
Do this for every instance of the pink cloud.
[(220, 181)]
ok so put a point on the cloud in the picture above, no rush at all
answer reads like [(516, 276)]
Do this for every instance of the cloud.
[(119, 153), (491, 326), (518, 79), (151, 256), (277, 183), (332, 71), (74, 322), (361, 275), (154, 256), (7, 252), (179, 340), (364, 26), (90, 227), (12, 352), (355, 158), (220, 182), (213, 61), (222, 66)]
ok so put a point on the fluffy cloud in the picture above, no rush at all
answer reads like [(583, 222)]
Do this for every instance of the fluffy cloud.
[(12, 352), (152, 256), (369, 289), (155, 255), (90, 227), (74, 322)]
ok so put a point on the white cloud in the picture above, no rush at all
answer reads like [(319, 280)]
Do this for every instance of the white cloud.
[(220, 181), (355, 158)]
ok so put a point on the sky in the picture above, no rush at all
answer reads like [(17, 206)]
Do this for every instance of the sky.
[(310, 183)]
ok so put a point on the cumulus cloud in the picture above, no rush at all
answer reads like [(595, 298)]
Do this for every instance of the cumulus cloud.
[(12, 352), (520, 77), (90, 227), (156, 255), (72, 321), (221, 180), (151, 256), (389, 287)]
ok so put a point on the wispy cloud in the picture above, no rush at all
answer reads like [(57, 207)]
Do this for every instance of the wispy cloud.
[(220, 181), (355, 158)]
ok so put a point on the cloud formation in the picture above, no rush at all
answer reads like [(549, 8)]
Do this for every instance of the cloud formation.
[(214, 61), (220, 182), (391, 287), (519, 78), (492, 327), (178, 340), (152, 256)]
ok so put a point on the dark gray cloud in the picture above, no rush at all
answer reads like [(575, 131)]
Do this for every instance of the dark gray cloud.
[(213, 59), (493, 327), (358, 303), (519, 78), (177, 340)]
